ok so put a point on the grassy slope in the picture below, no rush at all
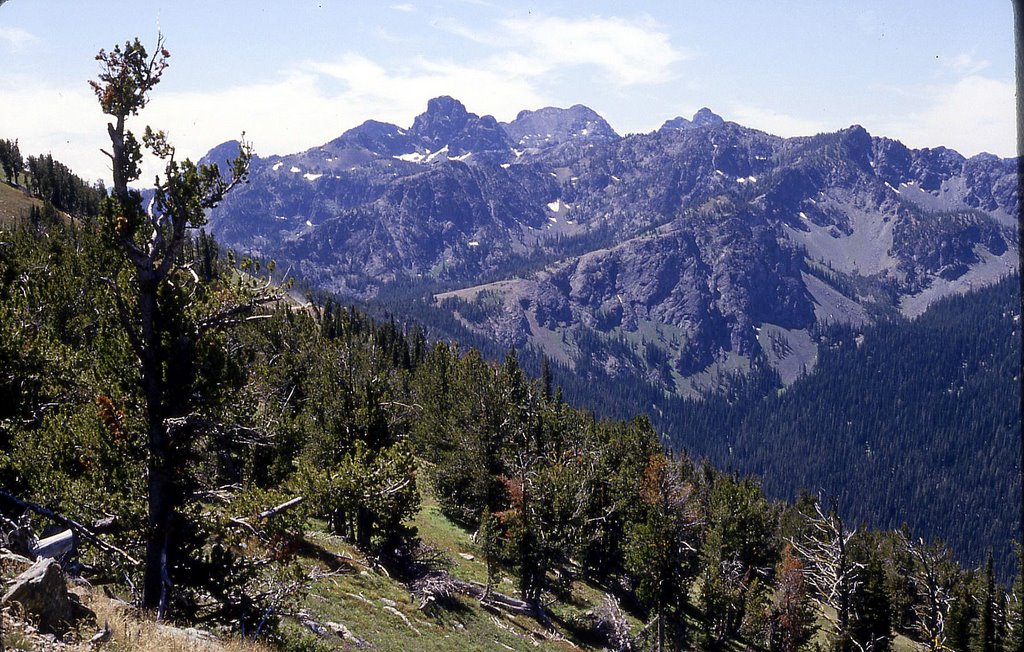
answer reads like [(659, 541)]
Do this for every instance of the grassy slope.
[(14, 204), (358, 597), (380, 612)]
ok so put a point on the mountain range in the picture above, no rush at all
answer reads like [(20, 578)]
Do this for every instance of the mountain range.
[(670, 258)]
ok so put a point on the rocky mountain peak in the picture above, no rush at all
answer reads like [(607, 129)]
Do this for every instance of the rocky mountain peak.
[(445, 117), (679, 122), (857, 146), (380, 138), (703, 118), (447, 123), (707, 118), (552, 125), (222, 153)]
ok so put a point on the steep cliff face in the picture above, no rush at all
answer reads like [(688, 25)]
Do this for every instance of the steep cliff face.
[(661, 255)]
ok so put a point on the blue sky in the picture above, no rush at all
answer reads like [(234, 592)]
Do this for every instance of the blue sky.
[(297, 74)]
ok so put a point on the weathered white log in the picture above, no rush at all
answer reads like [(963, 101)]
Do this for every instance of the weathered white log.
[(56, 546), (479, 591), (280, 508)]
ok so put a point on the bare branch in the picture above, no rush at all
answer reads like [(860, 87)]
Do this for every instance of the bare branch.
[(828, 567), (80, 529)]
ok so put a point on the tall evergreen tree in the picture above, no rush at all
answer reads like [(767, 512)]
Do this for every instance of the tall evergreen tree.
[(871, 626), (1015, 609), (660, 550), (163, 329), (985, 626)]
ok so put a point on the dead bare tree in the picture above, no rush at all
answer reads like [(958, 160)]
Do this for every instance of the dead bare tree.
[(831, 571), (931, 584)]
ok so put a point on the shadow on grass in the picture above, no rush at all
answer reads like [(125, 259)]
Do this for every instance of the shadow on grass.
[(581, 631), (331, 560)]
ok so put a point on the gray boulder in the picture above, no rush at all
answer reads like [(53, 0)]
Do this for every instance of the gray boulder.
[(43, 595)]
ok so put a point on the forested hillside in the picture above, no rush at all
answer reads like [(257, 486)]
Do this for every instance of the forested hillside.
[(911, 422)]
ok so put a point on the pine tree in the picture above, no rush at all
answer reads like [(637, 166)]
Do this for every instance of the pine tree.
[(963, 611), (792, 614), (153, 307), (546, 381), (984, 627), (871, 627), (660, 549), (1015, 609), (739, 546)]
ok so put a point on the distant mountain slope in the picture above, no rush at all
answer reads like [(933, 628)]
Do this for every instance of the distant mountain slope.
[(694, 245), (904, 422)]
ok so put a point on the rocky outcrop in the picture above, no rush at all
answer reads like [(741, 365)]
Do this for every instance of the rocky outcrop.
[(447, 123), (41, 593), (702, 118)]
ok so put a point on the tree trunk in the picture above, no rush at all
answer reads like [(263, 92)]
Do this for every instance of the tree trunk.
[(160, 487), (161, 511), (364, 527)]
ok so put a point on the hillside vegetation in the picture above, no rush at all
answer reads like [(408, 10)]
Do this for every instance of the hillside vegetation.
[(912, 422)]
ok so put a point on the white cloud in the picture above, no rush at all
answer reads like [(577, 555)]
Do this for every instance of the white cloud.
[(315, 101), (775, 122), (971, 115), (302, 108), (965, 64), (66, 122), (492, 87), (975, 114), (278, 116), (629, 52), (405, 7), (16, 38)]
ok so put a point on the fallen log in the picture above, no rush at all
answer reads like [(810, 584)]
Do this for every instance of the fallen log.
[(273, 511), (493, 598), (79, 529), (265, 514), (58, 545)]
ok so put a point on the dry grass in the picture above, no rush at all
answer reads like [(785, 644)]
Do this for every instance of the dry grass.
[(131, 631), (14, 204)]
